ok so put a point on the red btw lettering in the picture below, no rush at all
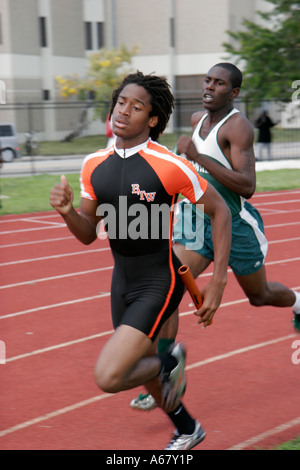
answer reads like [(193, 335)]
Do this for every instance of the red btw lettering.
[(143, 195)]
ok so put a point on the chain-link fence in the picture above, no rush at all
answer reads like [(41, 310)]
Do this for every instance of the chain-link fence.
[(49, 121), (285, 135)]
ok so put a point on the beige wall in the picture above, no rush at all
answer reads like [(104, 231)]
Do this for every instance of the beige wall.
[(200, 30), (23, 21), (144, 24), (67, 28)]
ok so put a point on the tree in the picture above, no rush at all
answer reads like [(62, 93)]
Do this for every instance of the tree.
[(270, 54), (106, 70)]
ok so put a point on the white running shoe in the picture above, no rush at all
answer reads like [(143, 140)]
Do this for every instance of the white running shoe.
[(143, 402), (174, 384), (186, 441)]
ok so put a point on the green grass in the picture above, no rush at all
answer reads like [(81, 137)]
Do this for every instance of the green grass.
[(275, 180), (79, 146), (289, 445), (31, 193), (86, 145), (285, 135)]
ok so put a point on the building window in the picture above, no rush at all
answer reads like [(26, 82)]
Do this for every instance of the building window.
[(100, 35), (0, 29), (46, 95), (88, 36), (172, 33), (43, 32)]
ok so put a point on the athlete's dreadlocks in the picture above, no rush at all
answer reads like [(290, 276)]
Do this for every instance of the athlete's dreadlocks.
[(162, 100)]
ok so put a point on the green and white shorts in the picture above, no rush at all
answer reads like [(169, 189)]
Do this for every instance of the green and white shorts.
[(249, 245)]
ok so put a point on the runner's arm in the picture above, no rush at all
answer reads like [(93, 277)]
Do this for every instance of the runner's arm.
[(218, 211), (83, 225)]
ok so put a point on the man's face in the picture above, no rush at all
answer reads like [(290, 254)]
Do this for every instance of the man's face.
[(131, 121), (217, 91)]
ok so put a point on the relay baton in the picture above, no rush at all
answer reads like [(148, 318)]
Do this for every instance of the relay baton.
[(191, 286)]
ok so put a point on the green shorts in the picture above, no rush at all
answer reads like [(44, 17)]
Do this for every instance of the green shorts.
[(249, 245)]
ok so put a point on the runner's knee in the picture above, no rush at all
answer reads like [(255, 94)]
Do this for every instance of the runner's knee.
[(257, 300), (107, 380)]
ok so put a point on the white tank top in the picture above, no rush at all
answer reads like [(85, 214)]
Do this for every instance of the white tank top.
[(210, 147)]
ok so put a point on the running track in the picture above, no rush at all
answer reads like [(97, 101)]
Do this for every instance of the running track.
[(55, 317)]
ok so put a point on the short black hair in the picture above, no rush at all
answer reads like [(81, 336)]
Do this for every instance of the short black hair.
[(162, 100), (236, 76)]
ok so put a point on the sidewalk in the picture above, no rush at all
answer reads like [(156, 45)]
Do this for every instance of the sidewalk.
[(26, 166)]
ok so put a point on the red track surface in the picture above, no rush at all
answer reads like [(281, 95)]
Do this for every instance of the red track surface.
[(55, 317)]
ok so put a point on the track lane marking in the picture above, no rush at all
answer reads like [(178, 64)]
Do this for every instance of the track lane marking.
[(31, 281), (61, 255), (54, 278), (254, 440), (83, 403), (59, 304), (103, 396), (71, 237), (105, 333)]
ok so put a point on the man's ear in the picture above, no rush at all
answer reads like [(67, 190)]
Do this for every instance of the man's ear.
[(235, 93), (153, 121)]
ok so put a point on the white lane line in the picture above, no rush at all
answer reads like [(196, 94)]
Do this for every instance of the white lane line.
[(59, 346), (287, 240), (105, 333), (54, 278), (35, 242), (87, 402), (273, 203), (276, 193), (54, 414), (282, 225), (32, 281), (71, 237), (254, 440), (60, 304), (22, 230), (240, 351), (60, 255)]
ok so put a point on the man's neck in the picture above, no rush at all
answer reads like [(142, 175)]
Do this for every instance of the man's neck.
[(213, 117)]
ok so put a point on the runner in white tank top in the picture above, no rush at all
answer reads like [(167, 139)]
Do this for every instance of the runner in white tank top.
[(211, 148), (225, 138)]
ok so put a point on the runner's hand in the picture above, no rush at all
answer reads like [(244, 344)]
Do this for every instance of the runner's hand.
[(61, 197)]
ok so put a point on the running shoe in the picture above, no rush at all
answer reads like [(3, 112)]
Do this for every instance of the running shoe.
[(143, 402), (174, 383), (296, 321), (187, 441)]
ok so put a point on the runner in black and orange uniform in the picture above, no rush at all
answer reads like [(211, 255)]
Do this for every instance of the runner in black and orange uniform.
[(144, 180), (131, 186)]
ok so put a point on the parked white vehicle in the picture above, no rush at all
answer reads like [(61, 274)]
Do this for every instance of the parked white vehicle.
[(9, 142)]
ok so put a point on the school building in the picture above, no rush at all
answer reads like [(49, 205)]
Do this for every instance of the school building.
[(42, 39)]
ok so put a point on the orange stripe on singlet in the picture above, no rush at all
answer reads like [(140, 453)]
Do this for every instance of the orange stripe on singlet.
[(89, 164), (173, 279), (175, 173)]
